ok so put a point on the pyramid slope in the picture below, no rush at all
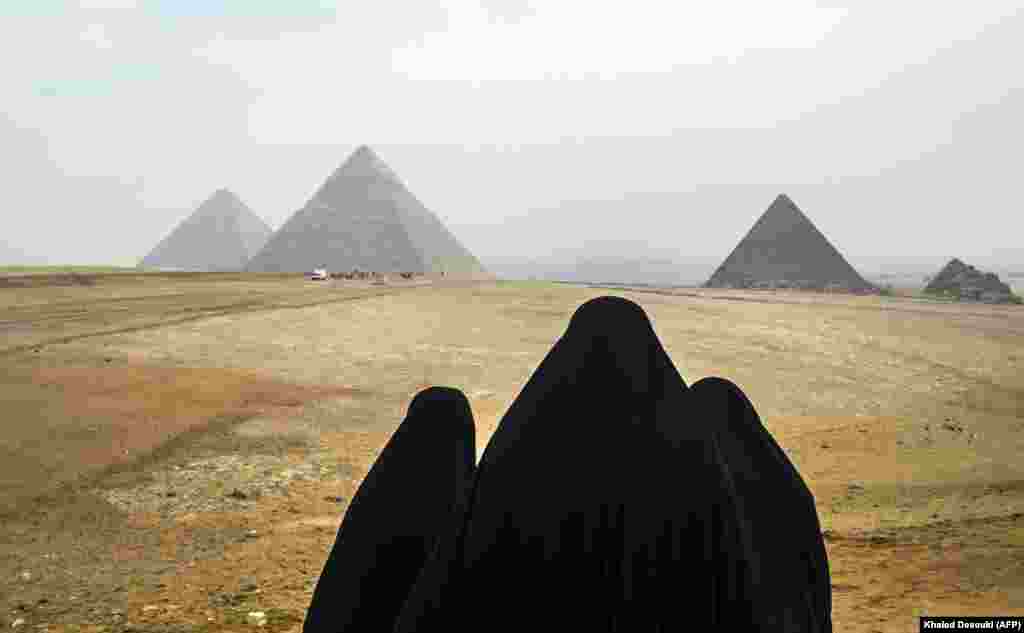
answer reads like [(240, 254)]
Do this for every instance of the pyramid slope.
[(785, 249), (11, 256), (948, 276), (364, 217), (221, 235)]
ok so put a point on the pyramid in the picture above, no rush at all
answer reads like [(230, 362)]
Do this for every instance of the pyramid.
[(221, 235), (11, 256), (785, 250), (967, 282), (364, 217)]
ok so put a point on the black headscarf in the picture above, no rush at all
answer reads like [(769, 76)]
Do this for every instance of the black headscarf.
[(792, 583), (412, 495), (590, 510)]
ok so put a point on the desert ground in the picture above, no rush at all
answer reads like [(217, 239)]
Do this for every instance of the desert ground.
[(178, 450)]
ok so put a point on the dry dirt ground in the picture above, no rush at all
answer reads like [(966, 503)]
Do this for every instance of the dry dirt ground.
[(178, 451)]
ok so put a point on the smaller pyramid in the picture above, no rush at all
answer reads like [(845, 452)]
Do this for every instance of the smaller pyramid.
[(12, 256), (785, 250), (959, 280), (221, 235)]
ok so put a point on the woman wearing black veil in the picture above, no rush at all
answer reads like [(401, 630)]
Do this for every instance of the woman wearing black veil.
[(611, 498), (407, 501), (792, 583), (600, 504)]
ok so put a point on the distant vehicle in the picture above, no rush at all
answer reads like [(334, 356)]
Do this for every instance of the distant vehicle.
[(319, 274)]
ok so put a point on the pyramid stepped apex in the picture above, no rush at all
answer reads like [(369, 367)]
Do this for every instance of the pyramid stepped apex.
[(363, 154), (363, 161), (785, 250), (223, 196), (364, 217), (222, 234)]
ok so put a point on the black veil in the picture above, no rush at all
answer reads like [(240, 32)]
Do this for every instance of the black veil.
[(406, 503), (590, 510), (792, 584)]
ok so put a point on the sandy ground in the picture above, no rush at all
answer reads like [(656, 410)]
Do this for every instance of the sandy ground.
[(250, 408)]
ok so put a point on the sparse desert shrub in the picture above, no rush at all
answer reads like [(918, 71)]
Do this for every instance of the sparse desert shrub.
[(1016, 299), (887, 291)]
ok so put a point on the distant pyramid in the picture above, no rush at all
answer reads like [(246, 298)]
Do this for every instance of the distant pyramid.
[(967, 282), (363, 217), (11, 256), (221, 235), (785, 250)]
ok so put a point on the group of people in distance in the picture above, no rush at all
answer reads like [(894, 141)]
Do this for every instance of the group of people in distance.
[(611, 497)]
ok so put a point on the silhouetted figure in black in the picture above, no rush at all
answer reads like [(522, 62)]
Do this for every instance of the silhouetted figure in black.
[(792, 584), (610, 498), (406, 502), (600, 504)]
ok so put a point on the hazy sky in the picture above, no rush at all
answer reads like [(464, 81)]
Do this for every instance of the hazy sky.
[(528, 126)]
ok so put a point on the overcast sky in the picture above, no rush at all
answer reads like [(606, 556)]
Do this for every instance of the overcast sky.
[(529, 126)]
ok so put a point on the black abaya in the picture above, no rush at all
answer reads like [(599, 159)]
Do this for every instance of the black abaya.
[(590, 509), (792, 585), (410, 498)]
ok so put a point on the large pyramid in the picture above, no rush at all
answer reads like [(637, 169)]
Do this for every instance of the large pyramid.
[(221, 235), (364, 217), (785, 250)]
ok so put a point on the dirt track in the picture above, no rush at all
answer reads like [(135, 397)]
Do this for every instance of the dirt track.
[(906, 420)]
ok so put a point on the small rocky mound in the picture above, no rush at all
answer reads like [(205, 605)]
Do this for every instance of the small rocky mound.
[(959, 280)]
